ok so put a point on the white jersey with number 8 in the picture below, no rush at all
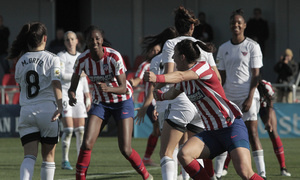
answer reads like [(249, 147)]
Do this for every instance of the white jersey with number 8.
[(34, 73)]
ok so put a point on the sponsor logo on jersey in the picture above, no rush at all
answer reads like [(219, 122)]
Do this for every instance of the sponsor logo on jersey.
[(196, 96), (102, 78)]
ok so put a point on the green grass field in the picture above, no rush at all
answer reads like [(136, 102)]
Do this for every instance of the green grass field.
[(108, 163)]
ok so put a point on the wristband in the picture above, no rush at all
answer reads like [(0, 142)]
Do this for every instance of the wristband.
[(160, 78)]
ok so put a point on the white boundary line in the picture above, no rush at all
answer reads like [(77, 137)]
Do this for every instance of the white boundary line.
[(112, 173)]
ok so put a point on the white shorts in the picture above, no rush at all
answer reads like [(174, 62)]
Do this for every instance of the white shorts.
[(251, 115), (182, 112), (37, 118), (77, 111)]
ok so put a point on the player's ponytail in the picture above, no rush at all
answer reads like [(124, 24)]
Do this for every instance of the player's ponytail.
[(30, 35)]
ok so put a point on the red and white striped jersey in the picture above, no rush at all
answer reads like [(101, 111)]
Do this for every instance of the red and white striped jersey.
[(145, 66), (104, 71), (266, 93), (208, 96)]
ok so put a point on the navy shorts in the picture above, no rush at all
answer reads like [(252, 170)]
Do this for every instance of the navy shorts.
[(226, 139), (119, 111)]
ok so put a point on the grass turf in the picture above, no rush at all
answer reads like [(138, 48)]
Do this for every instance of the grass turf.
[(108, 163)]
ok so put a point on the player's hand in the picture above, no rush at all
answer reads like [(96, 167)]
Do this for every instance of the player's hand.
[(56, 115), (102, 87), (149, 77), (155, 115), (140, 116), (268, 126), (72, 98), (158, 95), (246, 105)]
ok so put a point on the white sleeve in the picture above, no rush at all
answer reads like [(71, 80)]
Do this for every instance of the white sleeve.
[(167, 52), (56, 69), (220, 60), (256, 57)]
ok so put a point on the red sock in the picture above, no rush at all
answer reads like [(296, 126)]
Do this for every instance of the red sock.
[(152, 140), (227, 161), (256, 177), (208, 166), (82, 165), (196, 171), (137, 164), (278, 150)]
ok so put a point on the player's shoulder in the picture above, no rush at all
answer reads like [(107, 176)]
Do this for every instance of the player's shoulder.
[(251, 41), (48, 53)]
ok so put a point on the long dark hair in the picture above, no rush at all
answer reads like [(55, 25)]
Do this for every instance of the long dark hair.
[(183, 19), (31, 35), (191, 49), (149, 42)]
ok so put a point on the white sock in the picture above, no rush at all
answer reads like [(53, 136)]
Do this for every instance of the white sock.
[(167, 168), (219, 163), (27, 167), (65, 142), (79, 131), (47, 170), (258, 157), (175, 163)]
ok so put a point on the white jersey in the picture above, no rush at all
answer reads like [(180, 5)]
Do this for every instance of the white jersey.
[(67, 64), (35, 72), (238, 60), (157, 67)]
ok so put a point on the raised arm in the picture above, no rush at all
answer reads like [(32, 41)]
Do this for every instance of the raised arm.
[(174, 77)]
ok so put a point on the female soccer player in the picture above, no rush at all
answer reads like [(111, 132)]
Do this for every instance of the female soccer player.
[(240, 60), (224, 128), (73, 117), (38, 75), (268, 116), (152, 46), (111, 96), (181, 114)]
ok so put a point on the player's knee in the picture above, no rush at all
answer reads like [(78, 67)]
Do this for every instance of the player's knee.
[(68, 131), (126, 151)]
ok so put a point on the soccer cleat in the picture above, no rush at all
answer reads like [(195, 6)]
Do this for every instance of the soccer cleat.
[(214, 177), (149, 162), (66, 165), (150, 177), (224, 172), (284, 172)]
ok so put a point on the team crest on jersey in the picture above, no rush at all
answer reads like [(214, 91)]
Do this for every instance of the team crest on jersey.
[(244, 53), (105, 67)]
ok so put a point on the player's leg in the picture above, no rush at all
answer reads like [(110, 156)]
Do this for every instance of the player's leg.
[(250, 119), (79, 132), (170, 136), (91, 133), (193, 149), (226, 164), (30, 155), (48, 165), (79, 115), (275, 139), (241, 160), (257, 151), (30, 138), (66, 141), (219, 164), (125, 129), (152, 139)]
